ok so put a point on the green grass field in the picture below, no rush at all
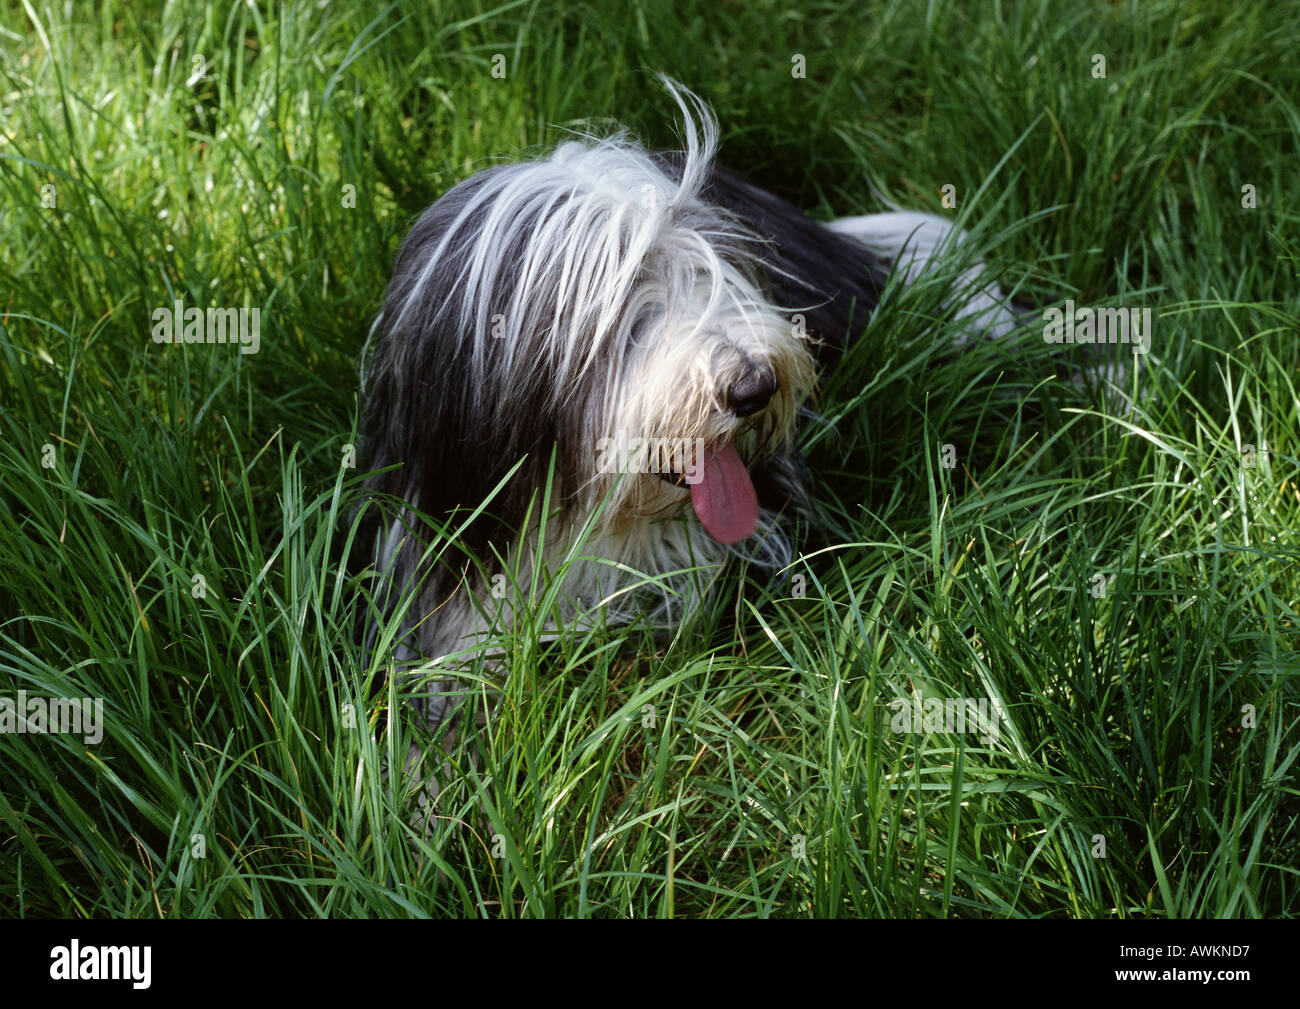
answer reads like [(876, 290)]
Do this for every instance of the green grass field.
[(1118, 574)]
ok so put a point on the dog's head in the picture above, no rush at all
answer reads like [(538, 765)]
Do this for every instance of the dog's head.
[(593, 305)]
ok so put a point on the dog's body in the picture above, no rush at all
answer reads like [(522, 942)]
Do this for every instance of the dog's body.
[(607, 296)]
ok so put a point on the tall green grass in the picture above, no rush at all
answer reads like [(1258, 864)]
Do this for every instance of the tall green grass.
[(1119, 572)]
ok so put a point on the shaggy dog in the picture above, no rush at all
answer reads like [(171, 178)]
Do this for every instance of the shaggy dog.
[(596, 363)]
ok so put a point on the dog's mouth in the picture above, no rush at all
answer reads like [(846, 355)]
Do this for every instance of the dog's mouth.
[(722, 493)]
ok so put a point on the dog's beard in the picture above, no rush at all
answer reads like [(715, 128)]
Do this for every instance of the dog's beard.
[(671, 399)]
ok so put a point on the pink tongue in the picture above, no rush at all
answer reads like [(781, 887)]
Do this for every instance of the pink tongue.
[(724, 497)]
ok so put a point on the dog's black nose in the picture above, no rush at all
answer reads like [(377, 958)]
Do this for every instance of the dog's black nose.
[(751, 392)]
